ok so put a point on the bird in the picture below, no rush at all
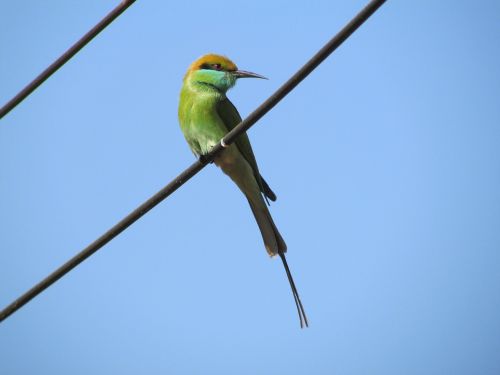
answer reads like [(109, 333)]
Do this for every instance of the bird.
[(206, 115)]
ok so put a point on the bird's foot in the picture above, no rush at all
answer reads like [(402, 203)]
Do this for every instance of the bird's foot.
[(203, 159)]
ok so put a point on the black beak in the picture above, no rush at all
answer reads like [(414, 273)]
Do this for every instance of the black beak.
[(245, 74)]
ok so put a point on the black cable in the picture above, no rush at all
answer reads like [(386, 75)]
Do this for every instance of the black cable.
[(73, 50), (200, 164)]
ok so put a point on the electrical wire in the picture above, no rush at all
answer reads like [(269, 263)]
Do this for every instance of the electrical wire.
[(63, 59)]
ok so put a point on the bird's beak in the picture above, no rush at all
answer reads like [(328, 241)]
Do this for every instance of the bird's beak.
[(245, 74)]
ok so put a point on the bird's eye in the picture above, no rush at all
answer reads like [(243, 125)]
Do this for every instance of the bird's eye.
[(217, 66)]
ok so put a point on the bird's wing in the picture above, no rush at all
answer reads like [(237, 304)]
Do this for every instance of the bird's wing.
[(230, 116)]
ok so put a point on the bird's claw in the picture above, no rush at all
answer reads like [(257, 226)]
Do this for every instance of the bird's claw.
[(203, 159)]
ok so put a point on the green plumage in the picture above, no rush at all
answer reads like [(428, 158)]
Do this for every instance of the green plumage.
[(206, 115)]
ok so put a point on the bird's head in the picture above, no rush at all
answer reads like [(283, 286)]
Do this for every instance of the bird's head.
[(217, 71)]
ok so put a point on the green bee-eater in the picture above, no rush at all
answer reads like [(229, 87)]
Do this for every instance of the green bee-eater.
[(206, 115)]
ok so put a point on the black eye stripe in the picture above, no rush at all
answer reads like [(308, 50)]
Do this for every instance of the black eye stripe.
[(211, 66)]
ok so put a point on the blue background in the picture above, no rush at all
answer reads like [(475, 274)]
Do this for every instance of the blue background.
[(386, 162)]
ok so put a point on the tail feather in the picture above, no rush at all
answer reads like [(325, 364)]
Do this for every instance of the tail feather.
[(235, 166), (273, 241), (296, 297), (275, 244)]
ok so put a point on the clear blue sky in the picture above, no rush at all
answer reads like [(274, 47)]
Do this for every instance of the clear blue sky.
[(386, 162)]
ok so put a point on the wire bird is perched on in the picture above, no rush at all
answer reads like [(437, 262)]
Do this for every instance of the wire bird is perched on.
[(206, 115)]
